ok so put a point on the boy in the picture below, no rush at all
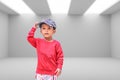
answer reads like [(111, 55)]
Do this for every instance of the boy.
[(49, 51)]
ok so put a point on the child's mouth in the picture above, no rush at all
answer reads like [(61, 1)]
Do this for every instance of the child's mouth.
[(46, 33)]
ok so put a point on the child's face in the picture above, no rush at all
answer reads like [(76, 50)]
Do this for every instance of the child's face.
[(47, 31)]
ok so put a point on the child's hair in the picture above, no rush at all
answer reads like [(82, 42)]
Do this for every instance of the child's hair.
[(49, 22)]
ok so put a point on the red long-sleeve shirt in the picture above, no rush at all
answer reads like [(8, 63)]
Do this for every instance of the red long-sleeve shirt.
[(49, 54)]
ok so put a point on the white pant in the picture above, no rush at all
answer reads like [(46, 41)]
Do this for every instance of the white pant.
[(45, 77)]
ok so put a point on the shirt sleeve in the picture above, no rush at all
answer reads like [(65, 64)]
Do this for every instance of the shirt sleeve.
[(30, 37), (60, 56)]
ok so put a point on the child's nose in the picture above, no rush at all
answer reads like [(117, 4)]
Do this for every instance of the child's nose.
[(46, 30)]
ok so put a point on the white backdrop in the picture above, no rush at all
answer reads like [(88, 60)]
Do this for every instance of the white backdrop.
[(80, 36)]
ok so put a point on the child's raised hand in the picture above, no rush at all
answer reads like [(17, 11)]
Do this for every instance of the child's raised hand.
[(58, 72), (36, 25)]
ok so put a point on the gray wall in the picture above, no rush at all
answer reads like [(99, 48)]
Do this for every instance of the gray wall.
[(115, 34), (3, 35), (80, 36)]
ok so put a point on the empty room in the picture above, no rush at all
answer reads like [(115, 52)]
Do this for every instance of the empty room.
[(59, 39)]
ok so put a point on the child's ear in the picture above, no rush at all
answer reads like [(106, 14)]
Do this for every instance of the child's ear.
[(54, 31)]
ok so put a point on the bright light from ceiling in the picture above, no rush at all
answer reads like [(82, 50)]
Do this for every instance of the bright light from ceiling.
[(18, 6), (59, 6), (100, 6)]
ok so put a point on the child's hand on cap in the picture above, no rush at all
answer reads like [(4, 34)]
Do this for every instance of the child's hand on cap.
[(36, 25)]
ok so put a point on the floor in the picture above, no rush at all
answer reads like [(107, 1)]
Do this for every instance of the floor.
[(74, 69)]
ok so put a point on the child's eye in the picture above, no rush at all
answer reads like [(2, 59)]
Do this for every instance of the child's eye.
[(49, 28), (43, 28)]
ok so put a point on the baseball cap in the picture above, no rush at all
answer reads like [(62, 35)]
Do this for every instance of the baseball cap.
[(49, 22)]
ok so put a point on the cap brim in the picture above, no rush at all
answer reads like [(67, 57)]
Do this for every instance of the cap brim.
[(40, 24)]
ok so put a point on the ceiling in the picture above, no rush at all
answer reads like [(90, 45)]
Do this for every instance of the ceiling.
[(6, 9), (77, 7), (113, 9)]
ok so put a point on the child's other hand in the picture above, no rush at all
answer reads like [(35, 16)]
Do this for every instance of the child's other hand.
[(58, 72), (36, 25)]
